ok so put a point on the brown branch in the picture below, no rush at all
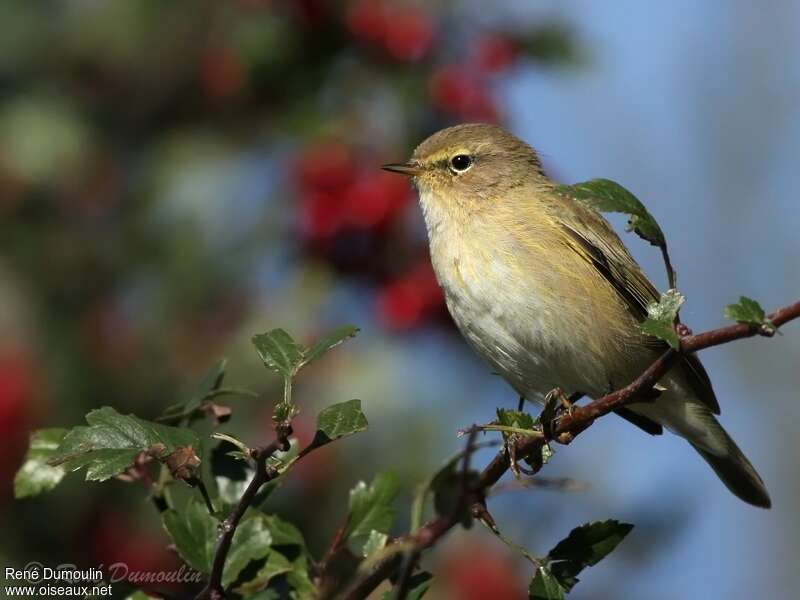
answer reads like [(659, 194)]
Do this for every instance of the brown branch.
[(570, 425), (213, 589)]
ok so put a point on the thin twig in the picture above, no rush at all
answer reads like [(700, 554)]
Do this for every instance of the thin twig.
[(213, 589)]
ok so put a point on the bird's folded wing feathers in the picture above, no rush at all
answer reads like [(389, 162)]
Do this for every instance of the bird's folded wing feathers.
[(592, 237)]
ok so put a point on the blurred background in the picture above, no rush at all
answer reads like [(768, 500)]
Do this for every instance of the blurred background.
[(175, 177)]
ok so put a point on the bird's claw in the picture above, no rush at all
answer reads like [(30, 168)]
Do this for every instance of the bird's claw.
[(556, 405), (510, 446)]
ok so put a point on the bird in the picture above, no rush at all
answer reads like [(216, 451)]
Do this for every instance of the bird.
[(546, 293)]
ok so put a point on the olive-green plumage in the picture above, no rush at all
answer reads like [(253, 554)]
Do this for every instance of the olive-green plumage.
[(547, 294)]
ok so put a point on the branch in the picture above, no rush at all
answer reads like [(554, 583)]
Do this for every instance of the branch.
[(568, 426), (213, 589)]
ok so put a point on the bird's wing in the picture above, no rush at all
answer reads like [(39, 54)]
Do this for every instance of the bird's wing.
[(594, 239)]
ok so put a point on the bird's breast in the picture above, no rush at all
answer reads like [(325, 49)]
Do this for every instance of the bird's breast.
[(513, 315)]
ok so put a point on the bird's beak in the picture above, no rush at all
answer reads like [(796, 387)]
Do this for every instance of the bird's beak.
[(410, 168)]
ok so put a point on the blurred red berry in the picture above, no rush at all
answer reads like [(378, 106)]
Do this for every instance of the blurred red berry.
[(495, 52), (461, 91), (474, 572), (222, 73), (17, 392), (407, 301), (374, 199), (408, 33), (320, 215), (400, 305), (326, 165), (367, 20), (405, 32)]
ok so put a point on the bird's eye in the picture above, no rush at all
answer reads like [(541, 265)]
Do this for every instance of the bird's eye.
[(460, 163)]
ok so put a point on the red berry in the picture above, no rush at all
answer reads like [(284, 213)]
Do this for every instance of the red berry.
[(320, 214), (473, 572), (459, 90), (400, 305), (367, 20), (405, 302), (495, 53), (408, 34), (326, 165), (374, 199), (18, 390)]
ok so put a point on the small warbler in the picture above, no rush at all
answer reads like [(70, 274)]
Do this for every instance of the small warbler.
[(547, 294)]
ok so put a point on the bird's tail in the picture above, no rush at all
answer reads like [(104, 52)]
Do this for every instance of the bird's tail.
[(702, 430), (736, 472)]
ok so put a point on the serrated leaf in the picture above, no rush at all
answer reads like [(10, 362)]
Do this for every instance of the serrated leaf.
[(328, 342), (605, 195), (112, 441), (371, 506), (661, 317), (251, 541), (748, 311), (583, 547), (279, 351), (515, 418), (375, 541), (545, 586), (36, 475), (283, 532), (338, 421), (276, 564), (194, 533)]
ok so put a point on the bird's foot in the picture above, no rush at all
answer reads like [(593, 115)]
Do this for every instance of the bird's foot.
[(510, 446), (556, 405)]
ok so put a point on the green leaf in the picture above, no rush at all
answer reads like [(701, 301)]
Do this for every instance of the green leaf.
[(661, 317), (328, 342), (279, 351), (36, 475), (515, 418), (583, 547), (276, 564), (544, 586), (750, 312), (371, 506), (376, 541), (112, 441), (194, 533), (251, 541), (139, 595), (605, 195), (338, 421), (299, 580), (283, 533)]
